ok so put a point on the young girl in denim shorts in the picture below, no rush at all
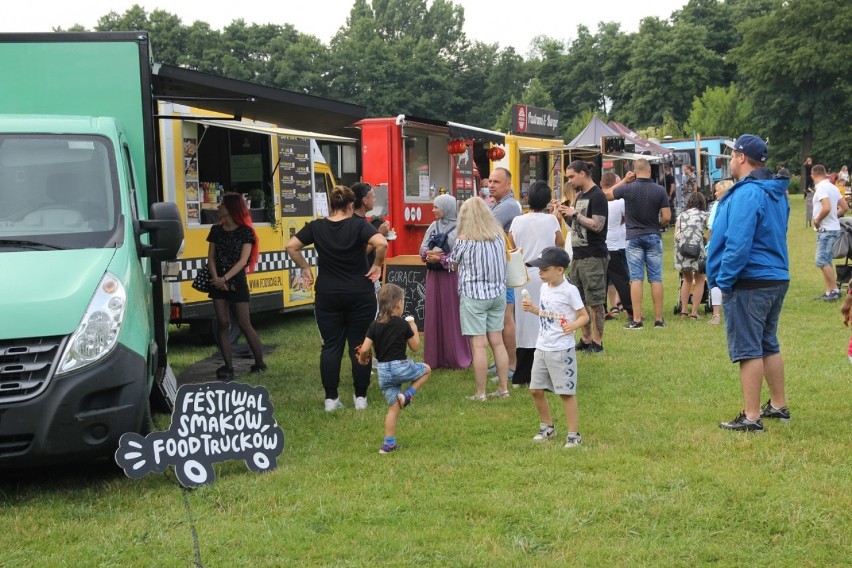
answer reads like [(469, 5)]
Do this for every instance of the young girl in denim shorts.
[(389, 335)]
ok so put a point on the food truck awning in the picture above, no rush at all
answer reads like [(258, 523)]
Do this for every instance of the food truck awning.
[(455, 129), (275, 130), (257, 102), (632, 156), (465, 131)]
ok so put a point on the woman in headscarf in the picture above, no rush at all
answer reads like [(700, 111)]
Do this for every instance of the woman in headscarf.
[(445, 346)]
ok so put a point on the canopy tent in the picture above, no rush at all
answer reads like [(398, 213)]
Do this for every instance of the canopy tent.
[(641, 144), (592, 134)]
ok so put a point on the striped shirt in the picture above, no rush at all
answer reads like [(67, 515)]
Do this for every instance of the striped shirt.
[(482, 267)]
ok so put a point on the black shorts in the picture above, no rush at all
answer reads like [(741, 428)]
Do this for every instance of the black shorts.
[(239, 291)]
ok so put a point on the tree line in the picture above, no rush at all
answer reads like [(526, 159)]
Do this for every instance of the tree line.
[(776, 68)]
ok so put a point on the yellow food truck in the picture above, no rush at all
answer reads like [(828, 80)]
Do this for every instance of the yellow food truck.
[(532, 151), (284, 178)]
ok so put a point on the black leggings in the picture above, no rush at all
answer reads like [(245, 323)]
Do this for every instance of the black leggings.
[(343, 318), (223, 318), (617, 274)]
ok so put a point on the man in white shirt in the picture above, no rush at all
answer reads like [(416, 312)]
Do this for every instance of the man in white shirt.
[(616, 243), (828, 206)]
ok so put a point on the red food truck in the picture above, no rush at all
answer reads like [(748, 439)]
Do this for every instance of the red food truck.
[(410, 160)]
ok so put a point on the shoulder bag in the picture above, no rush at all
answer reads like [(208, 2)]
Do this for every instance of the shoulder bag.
[(516, 268), (203, 282)]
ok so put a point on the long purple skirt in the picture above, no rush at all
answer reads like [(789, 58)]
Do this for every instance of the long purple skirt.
[(444, 345)]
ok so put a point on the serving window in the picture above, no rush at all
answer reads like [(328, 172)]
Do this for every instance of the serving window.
[(426, 163)]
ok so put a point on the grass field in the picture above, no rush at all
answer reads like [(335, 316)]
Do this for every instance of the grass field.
[(656, 482)]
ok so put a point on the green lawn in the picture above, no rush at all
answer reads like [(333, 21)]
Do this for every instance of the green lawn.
[(656, 483)]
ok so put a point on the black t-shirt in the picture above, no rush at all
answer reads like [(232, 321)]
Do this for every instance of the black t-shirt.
[(390, 339), (584, 242), (643, 200), (670, 183), (341, 253), (229, 245), (371, 258)]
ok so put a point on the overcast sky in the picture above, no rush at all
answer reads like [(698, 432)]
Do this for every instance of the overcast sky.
[(508, 24)]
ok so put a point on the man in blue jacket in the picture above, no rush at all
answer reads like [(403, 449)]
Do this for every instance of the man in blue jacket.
[(747, 259)]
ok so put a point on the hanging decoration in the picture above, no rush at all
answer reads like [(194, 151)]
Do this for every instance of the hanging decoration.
[(495, 153), (456, 147)]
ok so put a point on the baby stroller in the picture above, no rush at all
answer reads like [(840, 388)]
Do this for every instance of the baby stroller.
[(843, 249), (705, 298)]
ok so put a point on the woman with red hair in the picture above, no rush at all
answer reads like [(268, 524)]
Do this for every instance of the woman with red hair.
[(233, 252)]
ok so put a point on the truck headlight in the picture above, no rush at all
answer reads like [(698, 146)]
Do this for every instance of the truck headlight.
[(97, 333)]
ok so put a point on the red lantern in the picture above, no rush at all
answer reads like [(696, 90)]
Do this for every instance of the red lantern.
[(495, 153), (456, 147)]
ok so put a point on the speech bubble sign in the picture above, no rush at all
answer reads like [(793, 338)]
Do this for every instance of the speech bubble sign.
[(211, 423)]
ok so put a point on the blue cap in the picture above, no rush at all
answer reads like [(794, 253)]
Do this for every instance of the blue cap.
[(752, 146)]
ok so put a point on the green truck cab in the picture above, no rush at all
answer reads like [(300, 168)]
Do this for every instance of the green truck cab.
[(83, 237)]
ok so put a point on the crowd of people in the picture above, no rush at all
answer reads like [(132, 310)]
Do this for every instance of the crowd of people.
[(613, 247)]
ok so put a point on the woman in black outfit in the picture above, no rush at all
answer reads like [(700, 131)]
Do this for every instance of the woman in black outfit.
[(344, 299), (232, 252)]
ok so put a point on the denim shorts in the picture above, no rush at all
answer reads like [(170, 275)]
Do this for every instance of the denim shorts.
[(510, 295), (479, 317), (751, 321), (825, 242), (394, 374), (645, 251), (555, 371)]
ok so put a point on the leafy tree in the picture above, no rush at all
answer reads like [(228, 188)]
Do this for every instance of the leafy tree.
[(720, 111), (795, 63), (669, 65)]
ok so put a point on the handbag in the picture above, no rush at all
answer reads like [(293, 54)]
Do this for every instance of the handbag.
[(203, 282), (438, 240), (689, 250), (516, 268)]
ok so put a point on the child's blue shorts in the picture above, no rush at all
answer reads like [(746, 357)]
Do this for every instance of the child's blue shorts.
[(393, 374)]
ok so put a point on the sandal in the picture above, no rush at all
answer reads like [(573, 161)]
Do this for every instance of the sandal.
[(683, 315), (477, 398), (715, 320), (499, 394), (694, 316)]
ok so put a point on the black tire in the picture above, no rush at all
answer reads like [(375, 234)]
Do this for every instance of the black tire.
[(147, 421)]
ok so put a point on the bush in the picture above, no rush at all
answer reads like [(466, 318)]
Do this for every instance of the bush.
[(795, 185)]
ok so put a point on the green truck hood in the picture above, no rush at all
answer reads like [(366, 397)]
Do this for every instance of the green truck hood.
[(46, 292)]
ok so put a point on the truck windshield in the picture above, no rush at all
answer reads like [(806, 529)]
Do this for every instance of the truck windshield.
[(58, 190)]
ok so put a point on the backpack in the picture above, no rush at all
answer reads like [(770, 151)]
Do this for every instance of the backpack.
[(843, 246)]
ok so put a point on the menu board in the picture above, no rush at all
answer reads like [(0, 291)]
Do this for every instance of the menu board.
[(409, 273), (294, 176)]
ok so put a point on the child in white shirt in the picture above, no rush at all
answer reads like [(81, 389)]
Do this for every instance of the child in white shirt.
[(561, 312)]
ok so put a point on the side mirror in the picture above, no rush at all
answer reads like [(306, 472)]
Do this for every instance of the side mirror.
[(166, 231)]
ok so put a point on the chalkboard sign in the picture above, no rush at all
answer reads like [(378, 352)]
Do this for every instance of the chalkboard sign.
[(409, 273)]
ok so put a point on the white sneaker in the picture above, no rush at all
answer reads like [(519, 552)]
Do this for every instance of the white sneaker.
[(573, 440), (545, 432), (332, 404), (360, 402)]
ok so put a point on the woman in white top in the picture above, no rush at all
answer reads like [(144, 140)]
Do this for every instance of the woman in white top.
[(532, 233)]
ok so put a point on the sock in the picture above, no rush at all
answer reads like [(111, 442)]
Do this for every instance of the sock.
[(411, 391), (390, 441)]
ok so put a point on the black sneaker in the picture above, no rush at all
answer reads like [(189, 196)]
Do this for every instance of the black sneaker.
[(225, 372), (633, 325), (659, 324), (743, 424), (583, 346), (769, 411), (595, 348), (258, 368)]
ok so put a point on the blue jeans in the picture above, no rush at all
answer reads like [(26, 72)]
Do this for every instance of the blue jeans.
[(751, 321), (825, 242), (393, 374), (645, 251)]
